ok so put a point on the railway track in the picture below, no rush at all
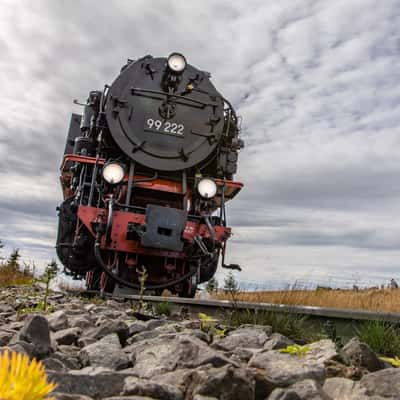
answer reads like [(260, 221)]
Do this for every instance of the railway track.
[(345, 321)]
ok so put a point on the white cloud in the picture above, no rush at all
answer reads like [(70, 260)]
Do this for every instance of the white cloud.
[(315, 81)]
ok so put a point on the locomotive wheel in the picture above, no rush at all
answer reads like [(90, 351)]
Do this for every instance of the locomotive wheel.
[(189, 290), (209, 267)]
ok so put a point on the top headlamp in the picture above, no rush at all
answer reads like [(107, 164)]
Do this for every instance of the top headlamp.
[(176, 62)]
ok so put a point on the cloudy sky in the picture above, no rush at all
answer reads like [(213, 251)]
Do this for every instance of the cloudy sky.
[(317, 83)]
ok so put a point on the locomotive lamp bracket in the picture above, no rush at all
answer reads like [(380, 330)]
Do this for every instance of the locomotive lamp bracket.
[(236, 267), (78, 103), (176, 65)]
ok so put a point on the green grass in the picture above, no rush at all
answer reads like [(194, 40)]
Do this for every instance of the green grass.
[(290, 325), (163, 308), (381, 337), (40, 307)]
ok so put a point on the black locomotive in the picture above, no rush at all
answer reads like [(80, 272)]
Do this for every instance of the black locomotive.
[(146, 173)]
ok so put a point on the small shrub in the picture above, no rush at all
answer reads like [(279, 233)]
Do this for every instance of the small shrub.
[(142, 276), (49, 275), (231, 287), (163, 308), (381, 337), (212, 286), (296, 350), (21, 379)]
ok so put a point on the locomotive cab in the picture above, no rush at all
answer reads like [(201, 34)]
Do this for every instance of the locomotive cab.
[(146, 174)]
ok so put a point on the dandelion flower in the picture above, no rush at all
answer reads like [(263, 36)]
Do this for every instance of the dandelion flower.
[(21, 379)]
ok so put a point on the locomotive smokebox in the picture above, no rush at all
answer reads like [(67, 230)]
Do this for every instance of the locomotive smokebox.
[(166, 130)]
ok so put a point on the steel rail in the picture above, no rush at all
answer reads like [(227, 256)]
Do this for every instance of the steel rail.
[(319, 312)]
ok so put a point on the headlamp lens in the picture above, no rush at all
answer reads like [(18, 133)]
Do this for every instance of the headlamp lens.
[(207, 188), (176, 62), (113, 173)]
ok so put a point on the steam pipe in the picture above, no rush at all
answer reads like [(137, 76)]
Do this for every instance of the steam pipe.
[(123, 282)]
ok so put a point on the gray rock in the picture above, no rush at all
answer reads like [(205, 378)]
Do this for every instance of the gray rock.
[(67, 336), (18, 348), (71, 312), (228, 383), (5, 337), (151, 334), (58, 320), (90, 307), (66, 396), (85, 341), (36, 331), (340, 388), (245, 336), (156, 323), (190, 324), (160, 355), (199, 334), (106, 352), (108, 327), (303, 390), (28, 347), (384, 383), (6, 308), (150, 388), (277, 341), (17, 325), (286, 369), (82, 322), (69, 361), (241, 354), (264, 385), (360, 355), (181, 378), (97, 383), (69, 349), (54, 364), (129, 398), (137, 327)]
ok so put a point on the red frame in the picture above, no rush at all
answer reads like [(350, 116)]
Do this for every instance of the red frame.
[(89, 215), (166, 185)]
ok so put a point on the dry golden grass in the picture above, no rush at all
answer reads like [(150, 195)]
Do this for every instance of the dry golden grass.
[(12, 275), (367, 299)]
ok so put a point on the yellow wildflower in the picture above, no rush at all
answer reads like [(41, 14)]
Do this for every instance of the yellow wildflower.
[(21, 379), (296, 350)]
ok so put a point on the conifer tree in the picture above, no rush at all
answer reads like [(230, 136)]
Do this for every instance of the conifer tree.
[(13, 259), (212, 285)]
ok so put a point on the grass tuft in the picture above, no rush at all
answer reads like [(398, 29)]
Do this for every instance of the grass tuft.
[(163, 308), (290, 325), (381, 337)]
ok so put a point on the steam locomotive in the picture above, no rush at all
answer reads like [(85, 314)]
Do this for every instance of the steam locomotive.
[(146, 173)]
